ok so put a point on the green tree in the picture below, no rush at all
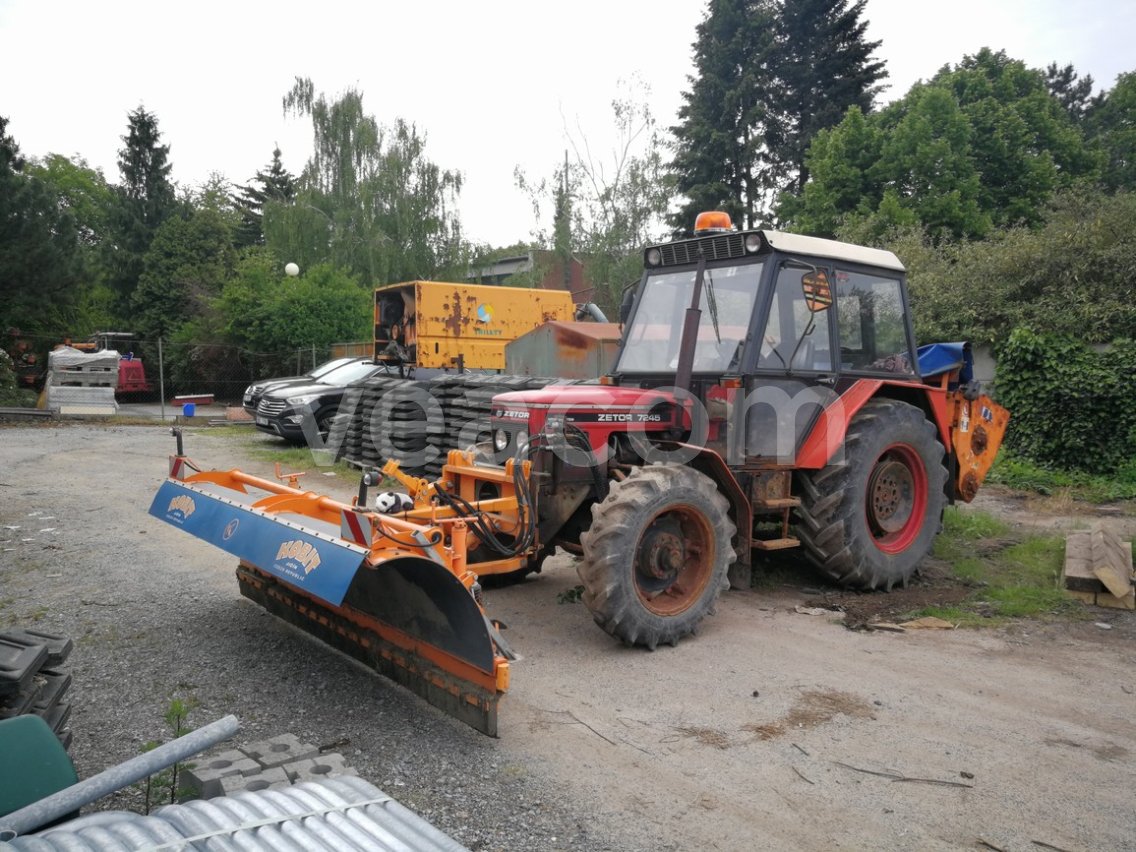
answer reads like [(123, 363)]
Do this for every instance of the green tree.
[(145, 199), (273, 183), (1024, 144), (368, 200), (84, 194), (40, 262), (721, 161), (189, 260), (769, 76), (1071, 90), (981, 145), (1112, 124), (270, 312), (827, 66)]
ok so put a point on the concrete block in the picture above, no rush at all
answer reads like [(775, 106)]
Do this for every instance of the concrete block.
[(318, 768), (204, 778), (269, 779), (280, 750)]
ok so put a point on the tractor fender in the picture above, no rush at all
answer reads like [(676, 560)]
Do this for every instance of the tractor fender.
[(827, 434)]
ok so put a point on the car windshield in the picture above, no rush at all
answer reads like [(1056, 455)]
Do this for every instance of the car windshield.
[(326, 367), (348, 373), (651, 341)]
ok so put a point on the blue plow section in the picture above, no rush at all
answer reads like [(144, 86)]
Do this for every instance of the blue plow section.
[(322, 566)]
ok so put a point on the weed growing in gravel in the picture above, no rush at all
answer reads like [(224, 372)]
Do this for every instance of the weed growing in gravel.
[(572, 595), (162, 785)]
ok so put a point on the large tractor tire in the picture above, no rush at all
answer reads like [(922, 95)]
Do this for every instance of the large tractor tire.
[(656, 556), (866, 520)]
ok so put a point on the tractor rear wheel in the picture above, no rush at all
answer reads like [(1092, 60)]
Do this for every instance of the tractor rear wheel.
[(867, 519), (656, 556)]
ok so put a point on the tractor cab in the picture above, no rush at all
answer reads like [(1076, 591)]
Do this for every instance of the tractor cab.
[(766, 302), (764, 330)]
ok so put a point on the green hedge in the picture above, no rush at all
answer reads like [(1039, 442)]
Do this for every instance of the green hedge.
[(1071, 407)]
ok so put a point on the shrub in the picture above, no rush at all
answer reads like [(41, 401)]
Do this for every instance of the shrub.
[(1071, 406)]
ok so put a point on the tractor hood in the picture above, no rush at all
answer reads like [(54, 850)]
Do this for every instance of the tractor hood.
[(575, 397)]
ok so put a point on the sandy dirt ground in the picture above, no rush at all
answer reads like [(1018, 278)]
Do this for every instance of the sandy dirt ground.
[(771, 729)]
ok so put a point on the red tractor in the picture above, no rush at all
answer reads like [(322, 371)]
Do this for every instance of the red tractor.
[(768, 394)]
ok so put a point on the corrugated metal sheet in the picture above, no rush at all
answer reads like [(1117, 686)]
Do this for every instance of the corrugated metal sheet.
[(342, 813)]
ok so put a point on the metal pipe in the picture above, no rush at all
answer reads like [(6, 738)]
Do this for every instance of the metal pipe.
[(161, 379), (108, 781), (592, 310)]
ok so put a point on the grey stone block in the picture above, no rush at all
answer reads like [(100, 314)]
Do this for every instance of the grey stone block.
[(269, 779), (205, 777), (318, 768), (280, 750)]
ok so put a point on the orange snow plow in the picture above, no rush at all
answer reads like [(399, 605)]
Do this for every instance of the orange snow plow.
[(391, 590)]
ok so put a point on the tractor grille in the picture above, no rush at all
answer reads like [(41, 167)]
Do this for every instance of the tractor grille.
[(720, 247), (270, 407)]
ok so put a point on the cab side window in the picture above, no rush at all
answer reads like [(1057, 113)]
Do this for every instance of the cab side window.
[(872, 324), (795, 338)]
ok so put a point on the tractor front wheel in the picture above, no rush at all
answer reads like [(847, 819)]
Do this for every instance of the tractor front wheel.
[(656, 556), (869, 517)]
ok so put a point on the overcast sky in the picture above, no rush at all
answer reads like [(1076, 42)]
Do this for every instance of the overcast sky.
[(492, 84)]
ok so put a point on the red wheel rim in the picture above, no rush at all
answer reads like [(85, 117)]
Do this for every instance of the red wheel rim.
[(674, 560), (896, 498)]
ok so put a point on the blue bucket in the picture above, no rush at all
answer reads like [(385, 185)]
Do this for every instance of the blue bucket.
[(189, 409)]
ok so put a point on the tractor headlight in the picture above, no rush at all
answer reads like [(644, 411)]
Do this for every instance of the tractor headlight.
[(654, 257), (522, 439), (500, 440), (752, 242)]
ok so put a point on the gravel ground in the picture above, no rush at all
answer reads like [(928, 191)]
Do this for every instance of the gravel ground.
[(156, 615), (772, 729)]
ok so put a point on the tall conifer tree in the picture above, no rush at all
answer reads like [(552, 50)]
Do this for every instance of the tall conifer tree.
[(826, 66), (720, 139), (769, 75), (274, 183), (145, 199)]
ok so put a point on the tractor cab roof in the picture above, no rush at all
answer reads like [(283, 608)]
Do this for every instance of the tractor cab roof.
[(832, 249), (724, 243)]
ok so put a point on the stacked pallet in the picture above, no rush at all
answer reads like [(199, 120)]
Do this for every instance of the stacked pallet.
[(31, 681), (417, 423), (81, 382), (71, 368)]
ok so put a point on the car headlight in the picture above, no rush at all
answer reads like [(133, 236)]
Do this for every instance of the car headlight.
[(500, 439), (303, 399)]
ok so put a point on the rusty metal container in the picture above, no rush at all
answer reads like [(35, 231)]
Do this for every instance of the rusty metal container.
[(435, 323), (567, 350)]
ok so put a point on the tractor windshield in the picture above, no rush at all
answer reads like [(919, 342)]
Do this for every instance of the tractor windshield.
[(651, 340)]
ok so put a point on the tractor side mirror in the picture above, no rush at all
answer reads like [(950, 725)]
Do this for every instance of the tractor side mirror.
[(818, 292)]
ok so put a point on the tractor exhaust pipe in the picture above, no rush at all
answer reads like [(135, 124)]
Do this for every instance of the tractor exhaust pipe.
[(690, 331)]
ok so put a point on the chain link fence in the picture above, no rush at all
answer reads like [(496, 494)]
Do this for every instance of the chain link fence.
[(177, 369)]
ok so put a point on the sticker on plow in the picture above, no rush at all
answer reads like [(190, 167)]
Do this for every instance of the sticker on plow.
[(321, 567)]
